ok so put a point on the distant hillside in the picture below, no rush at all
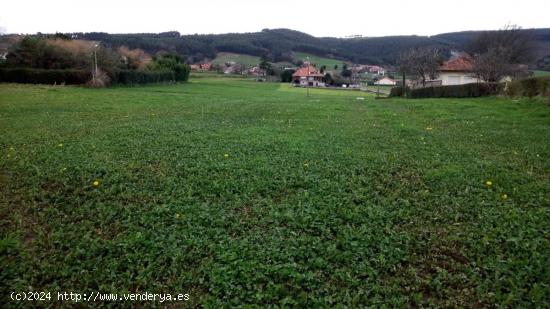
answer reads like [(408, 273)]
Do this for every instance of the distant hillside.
[(318, 60), (224, 57), (280, 44)]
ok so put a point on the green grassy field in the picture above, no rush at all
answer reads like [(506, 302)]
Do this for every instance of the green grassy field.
[(252, 193), (319, 61), (247, 60), (541, 73), (250, 61), (383, 88)]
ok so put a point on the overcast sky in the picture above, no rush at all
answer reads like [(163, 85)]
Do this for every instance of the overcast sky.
[(319, 18)]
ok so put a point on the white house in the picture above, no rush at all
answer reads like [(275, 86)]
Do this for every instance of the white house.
[(457, 71), (386, 81)]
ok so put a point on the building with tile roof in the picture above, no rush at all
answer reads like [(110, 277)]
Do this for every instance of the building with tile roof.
[(308, 76)]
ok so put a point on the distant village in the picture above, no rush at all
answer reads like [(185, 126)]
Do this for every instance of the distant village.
[(102, 60), (457, 70)]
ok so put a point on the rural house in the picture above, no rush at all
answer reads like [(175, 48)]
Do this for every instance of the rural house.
[(201, 67), (257, 71), (308, 76), (374, 69), (457, 71), (386, 81)]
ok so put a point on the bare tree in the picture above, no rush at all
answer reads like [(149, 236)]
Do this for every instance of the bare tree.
[(420, 62), (502, 53)]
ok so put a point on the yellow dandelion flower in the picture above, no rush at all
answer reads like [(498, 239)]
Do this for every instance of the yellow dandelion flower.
[(96, 183), (504, 196), (429, 128), (226, 155), (488, 183), (60, 145), (306, 165)]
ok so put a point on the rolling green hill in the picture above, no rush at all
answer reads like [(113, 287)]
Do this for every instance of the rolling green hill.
[(317, 60), (247, 60), (280, 44)]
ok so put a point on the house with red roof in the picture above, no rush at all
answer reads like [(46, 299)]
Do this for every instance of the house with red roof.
[(206, 66), (308, 76), (378, 70), (457, 71), (201, 67)]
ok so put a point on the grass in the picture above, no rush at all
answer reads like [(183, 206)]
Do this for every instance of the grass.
[(319, 61), (250, 61), (383, 88), (247, 60), (321, 201), (541, 73)]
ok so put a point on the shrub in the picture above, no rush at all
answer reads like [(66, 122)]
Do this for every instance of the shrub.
[(80, 77), (286, 75), (41, 76), (398, 91), (131, 77), (529, 87), (173, 63), (457, 91), (102, 79)]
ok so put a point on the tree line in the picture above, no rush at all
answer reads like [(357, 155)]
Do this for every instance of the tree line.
[(107, 64), (278, 44)]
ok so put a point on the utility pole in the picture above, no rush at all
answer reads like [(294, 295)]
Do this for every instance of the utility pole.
[(307, 77), (404, 86), (94, 73)]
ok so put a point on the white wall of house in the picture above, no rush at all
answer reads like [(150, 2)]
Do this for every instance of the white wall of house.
[(311, 82), (385, 81), (456, 78)]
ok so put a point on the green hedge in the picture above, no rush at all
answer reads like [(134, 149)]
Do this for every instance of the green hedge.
[(79, 77), (41, 76), (529, 87), (457, 91), (143, 77), (398, 91), (454, 91)]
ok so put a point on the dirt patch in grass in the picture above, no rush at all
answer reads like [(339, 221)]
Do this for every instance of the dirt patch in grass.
[(438, 274)]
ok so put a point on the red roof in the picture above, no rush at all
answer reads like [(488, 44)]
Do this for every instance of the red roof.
[(458, 64), (307, 71), (203, 66)]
